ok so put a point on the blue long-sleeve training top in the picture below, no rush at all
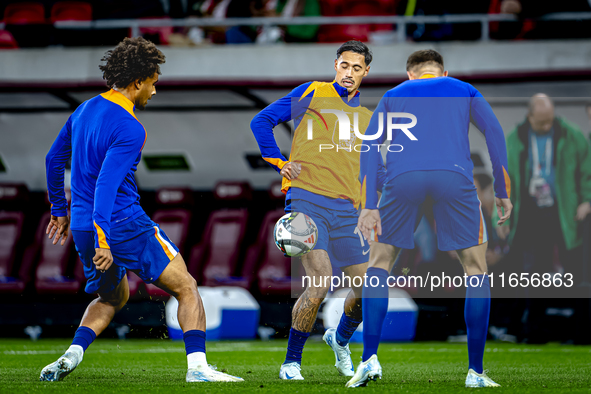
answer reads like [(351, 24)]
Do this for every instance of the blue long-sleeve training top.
[(443, 107), (104, 139)]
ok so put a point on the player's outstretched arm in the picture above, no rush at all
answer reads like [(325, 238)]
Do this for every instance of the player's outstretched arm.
[(55, 167)]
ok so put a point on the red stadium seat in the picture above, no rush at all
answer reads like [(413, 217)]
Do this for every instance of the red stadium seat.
[(11, 224), (159, 35), (71, 11), (214, 262), (15, 268), (7, 40), (174, 221), (341, 33), (264, 251), (272, 267), (25, 13), (56, 271)]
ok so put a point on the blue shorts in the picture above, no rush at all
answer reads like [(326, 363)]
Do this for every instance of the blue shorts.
[(139, 246), (456, 209), (337, 233)]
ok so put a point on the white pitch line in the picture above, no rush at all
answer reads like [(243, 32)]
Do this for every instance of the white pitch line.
[(149, 350)]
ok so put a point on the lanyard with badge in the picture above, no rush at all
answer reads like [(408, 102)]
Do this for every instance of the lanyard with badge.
[(539, 188)]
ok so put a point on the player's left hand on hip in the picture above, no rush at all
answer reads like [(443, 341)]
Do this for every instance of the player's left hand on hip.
[(583, 210), (369, 219), (102, 259), (291, 170), (57, 228)]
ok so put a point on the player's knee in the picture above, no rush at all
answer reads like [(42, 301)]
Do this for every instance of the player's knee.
[(117, 301)]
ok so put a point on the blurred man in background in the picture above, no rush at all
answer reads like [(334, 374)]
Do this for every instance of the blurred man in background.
[(112, 233), (550, 162)]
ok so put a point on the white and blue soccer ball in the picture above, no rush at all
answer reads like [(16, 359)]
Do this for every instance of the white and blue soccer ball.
[(295, 234)]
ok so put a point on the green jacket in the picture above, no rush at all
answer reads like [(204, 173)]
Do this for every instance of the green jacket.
[(572, 160)]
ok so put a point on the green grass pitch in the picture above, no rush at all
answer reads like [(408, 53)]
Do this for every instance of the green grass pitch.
[(145, 366)]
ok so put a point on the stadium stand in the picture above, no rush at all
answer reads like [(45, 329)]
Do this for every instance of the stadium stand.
[(26, 21), (263, 251), (342, 33), (15, 268), (59, 271), (215, 260), (11, 224), (24, 13), (7, 40), (174, 217), (273, 272), (71, 11)]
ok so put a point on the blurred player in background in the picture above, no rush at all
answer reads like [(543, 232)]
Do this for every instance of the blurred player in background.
[(435, 165), (323, 184), (111, 231)]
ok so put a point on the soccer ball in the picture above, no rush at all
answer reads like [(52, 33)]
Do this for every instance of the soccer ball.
[(295, 234)]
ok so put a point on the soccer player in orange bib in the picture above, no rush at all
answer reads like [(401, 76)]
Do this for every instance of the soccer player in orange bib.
[(321, 179)]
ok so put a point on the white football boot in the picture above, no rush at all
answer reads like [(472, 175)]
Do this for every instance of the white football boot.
[(291, 371), (342, 354), (366, 371), (479, 380), (62, 367), (208, 373)]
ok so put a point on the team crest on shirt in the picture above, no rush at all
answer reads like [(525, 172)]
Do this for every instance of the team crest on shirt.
[(346, 143)]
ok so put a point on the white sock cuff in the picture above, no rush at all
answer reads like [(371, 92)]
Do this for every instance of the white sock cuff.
[(77, 349), (196, 359)]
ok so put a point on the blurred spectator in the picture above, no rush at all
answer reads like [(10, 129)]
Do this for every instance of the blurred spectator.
[(530, 28), (442, 31), (291, 8), (245, 9), (550, 167), (588, 110)]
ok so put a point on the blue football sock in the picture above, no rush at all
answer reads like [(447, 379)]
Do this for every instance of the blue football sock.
[(84, 337), (345, 329), (476, 314), (375, 306), (295, 346), (194, 341)]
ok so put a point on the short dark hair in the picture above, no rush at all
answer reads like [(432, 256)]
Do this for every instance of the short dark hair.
[(357, 47), (424, 57), (133, 59)]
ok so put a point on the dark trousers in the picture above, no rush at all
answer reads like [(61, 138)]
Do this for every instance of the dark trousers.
[(537, 243)]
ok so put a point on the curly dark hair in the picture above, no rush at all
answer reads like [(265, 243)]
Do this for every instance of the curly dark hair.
[(133, 59)]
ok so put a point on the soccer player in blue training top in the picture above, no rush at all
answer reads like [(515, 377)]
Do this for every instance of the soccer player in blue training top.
[(323, 184), (430, 160), (111, 231)]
